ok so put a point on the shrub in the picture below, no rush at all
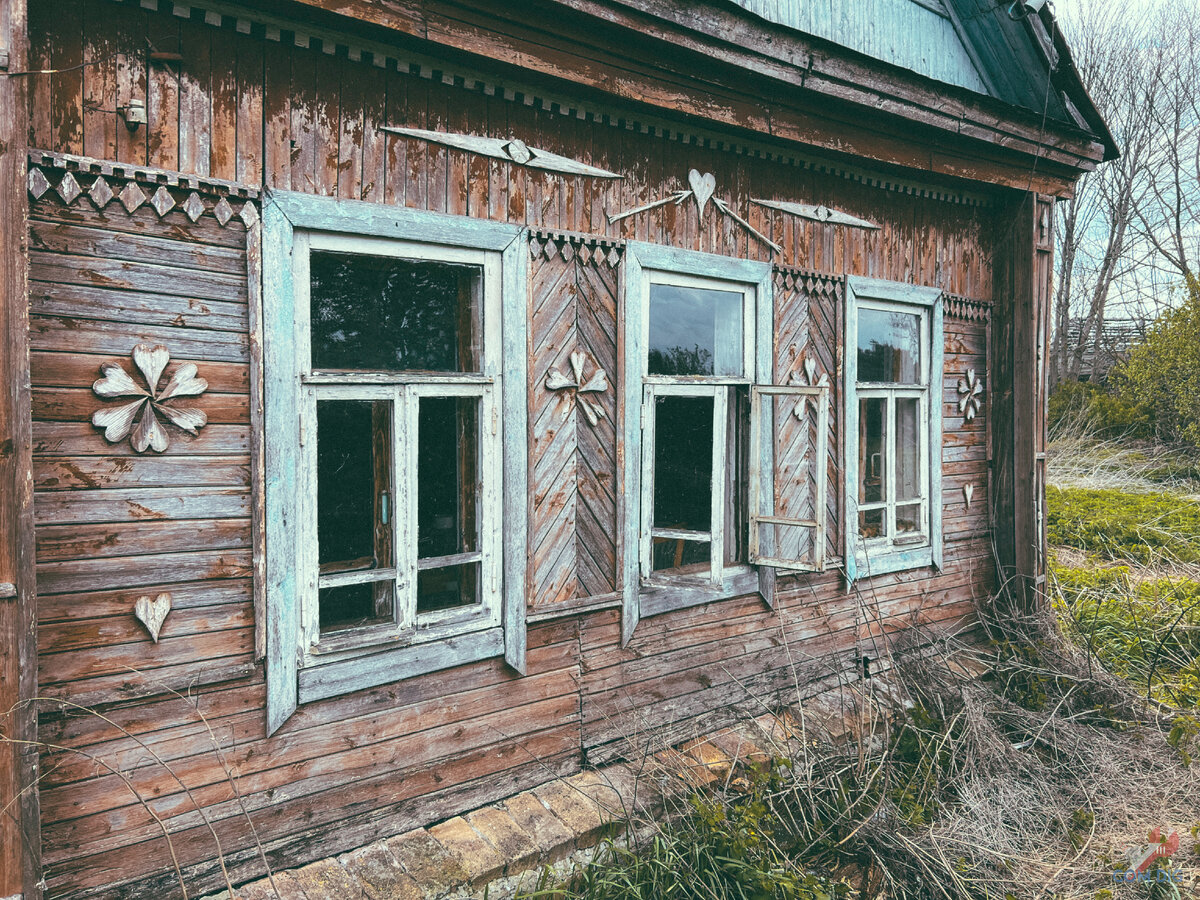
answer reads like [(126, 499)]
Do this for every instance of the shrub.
[(1162, 372), (1100, 412)]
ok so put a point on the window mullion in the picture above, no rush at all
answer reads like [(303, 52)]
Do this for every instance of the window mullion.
[(892, 447), (405, 460), (719, 477)]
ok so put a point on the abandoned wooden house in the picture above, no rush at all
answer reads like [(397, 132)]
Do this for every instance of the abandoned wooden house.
[(431, 396)]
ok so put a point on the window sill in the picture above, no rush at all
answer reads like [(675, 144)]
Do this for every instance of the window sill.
[(882, 562), (343, 676), (664, 596)]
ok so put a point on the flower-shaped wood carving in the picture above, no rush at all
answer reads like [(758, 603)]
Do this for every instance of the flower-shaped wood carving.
[(970, 390), (597, 383), (119, 421)]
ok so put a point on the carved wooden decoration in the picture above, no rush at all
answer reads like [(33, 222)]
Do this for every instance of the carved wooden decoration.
[(807, 376), (118, 421), (152, 613), (510, 150), (702, 188), (970, 390), (968, 493), (598, 383), (817, 213)]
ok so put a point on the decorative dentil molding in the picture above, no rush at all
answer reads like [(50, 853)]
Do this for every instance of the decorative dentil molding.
[(510, 150), (152, 613), (966, 308), (132, 187), (597, 383), (116, 383), (970, 395), (817, 213), (701, 187), (569, 245)]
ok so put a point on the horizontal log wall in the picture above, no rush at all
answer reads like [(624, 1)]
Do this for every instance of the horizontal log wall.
[(113, 525)]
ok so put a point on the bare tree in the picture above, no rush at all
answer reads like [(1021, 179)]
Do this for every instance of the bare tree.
[(1098, 229)]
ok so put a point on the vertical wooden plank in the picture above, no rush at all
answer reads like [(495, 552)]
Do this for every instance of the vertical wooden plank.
[(437, 173), (195, 92), (374, 81), (41, 42), (416, 108), (396, 147), (66, 87), (100, 84), (326, 96), (130, 40), (304, 117), (350, 130), (223, 78), (475, 119), (251, 113), (277, 115), (457, 161), (162, 103), (258, 529), (20, 836)]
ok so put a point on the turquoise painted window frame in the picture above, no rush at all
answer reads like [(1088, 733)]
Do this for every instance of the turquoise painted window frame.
[(640, 259), (288, 682), (861, 561)]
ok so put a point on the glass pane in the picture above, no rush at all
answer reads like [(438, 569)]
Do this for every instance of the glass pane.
[(353, 605), (872, 443), (908, 449), (908, 519), (683, 461), (354, 464), (889, 346), (447, 587), (384, 313), (695, 331), (447, 476), (679, 557), (871, 524)]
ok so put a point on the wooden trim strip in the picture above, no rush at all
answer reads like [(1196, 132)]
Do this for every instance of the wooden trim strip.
[(149, 175), (385, 56)]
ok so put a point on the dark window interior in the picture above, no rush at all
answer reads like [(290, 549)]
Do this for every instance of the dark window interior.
[(380, 313), (447, 492), (354, 462)]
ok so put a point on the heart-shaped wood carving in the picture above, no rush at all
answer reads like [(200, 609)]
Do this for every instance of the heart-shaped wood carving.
[(702, 188), (152, 361), (968, 493), (152, 613)]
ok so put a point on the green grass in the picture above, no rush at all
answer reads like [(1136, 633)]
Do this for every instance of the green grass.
[(1146, 630), (1114, 525)]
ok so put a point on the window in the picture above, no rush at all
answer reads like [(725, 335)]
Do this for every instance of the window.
[(893, 427), (698, 351), (395, 370)]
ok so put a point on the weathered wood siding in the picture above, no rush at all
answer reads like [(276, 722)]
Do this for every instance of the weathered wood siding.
[(113, 525)]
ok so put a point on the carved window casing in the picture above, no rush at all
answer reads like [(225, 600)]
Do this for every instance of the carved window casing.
[(395, 442), (893, 415), (709, 514)]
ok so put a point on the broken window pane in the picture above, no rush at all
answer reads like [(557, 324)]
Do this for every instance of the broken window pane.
[(683, 461), (383, 313), (889, 346), (871, 524), (695, 331), (678, 556), (447, 501), (354, 532), (872, 439)]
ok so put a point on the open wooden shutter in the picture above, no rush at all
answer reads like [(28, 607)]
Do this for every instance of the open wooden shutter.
[(789, 434)]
